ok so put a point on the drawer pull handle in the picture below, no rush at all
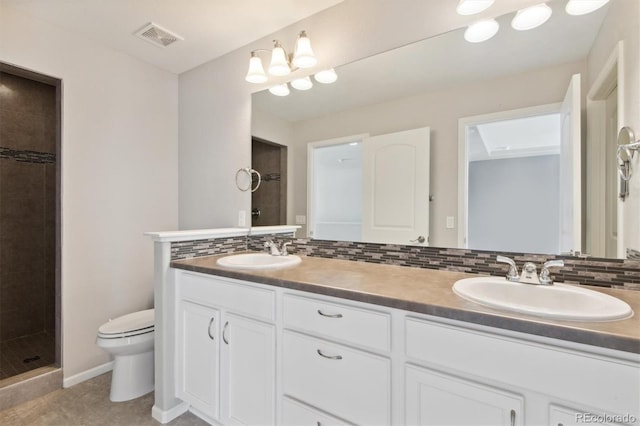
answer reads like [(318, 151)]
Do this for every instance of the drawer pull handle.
[(329, 315), (513, 417), (329, 356), (209, 328), (224, 332)]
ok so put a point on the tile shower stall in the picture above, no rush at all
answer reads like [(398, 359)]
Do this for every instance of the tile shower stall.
[(29, 123)]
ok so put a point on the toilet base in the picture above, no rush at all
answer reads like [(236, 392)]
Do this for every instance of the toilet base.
[(132, 377)]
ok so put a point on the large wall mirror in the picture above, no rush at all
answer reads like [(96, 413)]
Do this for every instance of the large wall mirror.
[(493, 121)]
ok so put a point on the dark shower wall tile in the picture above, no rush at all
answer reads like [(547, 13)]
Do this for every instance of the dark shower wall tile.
[(22, 224), (27, 114), (49, 247)]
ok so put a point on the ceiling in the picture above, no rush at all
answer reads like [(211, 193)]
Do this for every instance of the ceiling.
[(210, 28)]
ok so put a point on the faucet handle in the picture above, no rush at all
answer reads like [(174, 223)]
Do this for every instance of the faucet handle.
[(283, 249), (512, 275), (544, 273)]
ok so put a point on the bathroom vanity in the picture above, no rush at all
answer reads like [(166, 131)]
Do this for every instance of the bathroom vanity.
[(331, 341)]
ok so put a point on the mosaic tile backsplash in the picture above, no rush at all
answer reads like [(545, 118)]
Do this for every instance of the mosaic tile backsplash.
[(615, 273)]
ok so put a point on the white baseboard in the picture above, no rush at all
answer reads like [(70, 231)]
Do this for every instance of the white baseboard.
[(165, 416), (67, 382)]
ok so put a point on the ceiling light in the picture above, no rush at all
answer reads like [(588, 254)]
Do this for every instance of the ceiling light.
[(279, 63), (256, 72), (481, 31), (303, 56), (326, 76), (280, 89), (582, 7), (303, 83), (471, 7), (531, 17)]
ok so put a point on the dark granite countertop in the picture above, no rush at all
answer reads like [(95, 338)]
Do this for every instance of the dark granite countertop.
[(429, 292)]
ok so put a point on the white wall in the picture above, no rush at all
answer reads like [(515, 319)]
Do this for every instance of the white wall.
[(215, 103), (439, 110), (621, 23), (119, 173)]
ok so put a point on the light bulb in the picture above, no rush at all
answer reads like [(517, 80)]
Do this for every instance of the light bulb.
[(531, 17), (481, 31), (326, 76), (280, 90), (471, 7), (303, 56), (303, 83), (256, 72), (279, 65), (582, 7)]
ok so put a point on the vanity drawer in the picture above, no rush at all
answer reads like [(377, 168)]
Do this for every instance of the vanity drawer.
[(336, 321), (348, 383), (295, 413), (231, 295)]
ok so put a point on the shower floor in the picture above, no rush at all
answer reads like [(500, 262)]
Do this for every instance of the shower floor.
[(26, 353)]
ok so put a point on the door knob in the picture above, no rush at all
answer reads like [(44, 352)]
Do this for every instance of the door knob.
[(420, 239)]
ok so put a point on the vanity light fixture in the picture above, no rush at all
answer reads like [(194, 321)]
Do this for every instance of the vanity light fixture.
[(531, 17), (281, 63), (582, 7), (481, 31), (280, 89), (326, 76), (303, 83), (471, 7)]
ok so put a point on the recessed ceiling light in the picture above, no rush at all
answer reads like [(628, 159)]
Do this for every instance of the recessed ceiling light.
[(481, 31), (531, 17), (582, 7), (471, 7)]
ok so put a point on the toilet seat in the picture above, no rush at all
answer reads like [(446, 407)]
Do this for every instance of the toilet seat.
[(128, 325)]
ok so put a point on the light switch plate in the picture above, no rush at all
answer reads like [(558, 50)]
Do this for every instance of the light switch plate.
[(301, 219), (451, 222)]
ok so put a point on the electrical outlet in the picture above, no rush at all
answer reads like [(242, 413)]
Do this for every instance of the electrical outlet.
[(242, 218), (451, 222), (301, 219)]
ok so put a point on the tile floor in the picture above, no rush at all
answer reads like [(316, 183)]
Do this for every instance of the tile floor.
[(88, 404), (26, 353)]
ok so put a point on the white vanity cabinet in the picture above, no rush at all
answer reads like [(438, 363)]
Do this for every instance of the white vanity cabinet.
[(226, 349), (507, 378), (335, 358), (254, 354), (434, 398)]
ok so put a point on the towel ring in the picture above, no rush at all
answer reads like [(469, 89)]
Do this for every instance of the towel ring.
[(250, 172)]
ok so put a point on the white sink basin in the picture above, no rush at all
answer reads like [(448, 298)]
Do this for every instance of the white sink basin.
[(558, 301), (258, 261)]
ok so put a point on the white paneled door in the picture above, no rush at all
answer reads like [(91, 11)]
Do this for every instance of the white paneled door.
[(570, 180), (395, 197)]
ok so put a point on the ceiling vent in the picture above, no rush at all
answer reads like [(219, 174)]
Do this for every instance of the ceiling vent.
[(157, 35)]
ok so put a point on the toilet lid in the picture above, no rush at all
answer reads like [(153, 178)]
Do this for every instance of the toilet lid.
[(127, 323)]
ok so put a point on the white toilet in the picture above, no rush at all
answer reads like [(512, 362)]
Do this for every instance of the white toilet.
[(130, 340)]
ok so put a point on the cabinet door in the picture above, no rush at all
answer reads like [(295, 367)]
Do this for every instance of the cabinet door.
[(439, 399), (198, 361), (249, 366)]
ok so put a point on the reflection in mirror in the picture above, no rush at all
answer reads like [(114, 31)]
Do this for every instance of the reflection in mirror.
[(439, 81)]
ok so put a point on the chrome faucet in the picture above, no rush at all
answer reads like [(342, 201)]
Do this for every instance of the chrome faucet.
[(274, 250), (529, 273)]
